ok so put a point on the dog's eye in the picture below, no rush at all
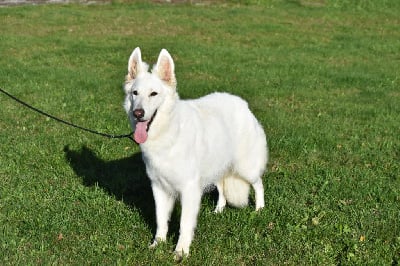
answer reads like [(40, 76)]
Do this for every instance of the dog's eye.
[(153, 94), (135, 93)]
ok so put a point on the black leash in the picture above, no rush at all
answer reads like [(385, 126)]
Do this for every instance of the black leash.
[(111, 136)]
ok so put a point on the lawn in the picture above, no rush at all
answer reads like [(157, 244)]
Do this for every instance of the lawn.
[(323, 78)]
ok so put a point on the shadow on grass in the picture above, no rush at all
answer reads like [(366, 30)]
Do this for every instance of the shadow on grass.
[(125, 179)]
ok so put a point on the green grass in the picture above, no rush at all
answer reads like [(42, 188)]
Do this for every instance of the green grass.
[(321, 76)]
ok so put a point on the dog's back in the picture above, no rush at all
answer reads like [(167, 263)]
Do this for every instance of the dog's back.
[(222, 135)]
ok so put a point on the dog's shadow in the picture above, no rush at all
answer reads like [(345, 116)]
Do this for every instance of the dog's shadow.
[(125, 179)]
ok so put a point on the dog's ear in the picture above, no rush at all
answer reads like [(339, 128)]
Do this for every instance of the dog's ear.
[(135, 65), (165, 68)]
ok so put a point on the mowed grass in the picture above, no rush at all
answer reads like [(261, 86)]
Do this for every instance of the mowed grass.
[(322, 77)]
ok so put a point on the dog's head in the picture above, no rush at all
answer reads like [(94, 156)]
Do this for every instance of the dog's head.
[(147, 92)]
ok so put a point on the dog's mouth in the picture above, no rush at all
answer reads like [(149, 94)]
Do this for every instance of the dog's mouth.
[(142, 127)]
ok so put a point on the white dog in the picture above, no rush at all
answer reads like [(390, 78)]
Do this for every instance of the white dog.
[(188, 145)]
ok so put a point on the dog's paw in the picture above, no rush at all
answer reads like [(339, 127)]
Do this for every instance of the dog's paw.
[(219, 209), (156, 242), (179, 256), (259, 208), (153, 245), (180, 253)]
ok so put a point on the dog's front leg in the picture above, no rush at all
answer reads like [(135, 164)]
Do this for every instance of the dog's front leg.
[(190, 200), (164, 202)]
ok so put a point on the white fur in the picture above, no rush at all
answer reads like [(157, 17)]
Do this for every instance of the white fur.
[(192, 144)]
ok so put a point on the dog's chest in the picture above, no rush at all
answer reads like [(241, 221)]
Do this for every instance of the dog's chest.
[(172, 173)]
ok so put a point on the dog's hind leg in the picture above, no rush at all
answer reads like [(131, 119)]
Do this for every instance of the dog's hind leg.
[(259, 194), (250, 164), (252, 172), (164, 202), (221, 198)]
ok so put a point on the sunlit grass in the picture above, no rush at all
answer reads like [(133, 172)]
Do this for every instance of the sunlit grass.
[(321, 76)]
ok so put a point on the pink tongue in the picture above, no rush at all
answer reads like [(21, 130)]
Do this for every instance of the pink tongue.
[(141, 132)]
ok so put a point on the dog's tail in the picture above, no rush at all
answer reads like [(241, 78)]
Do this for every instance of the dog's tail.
[(236, 191)]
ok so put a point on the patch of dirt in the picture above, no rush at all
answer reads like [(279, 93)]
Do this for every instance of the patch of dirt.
[(42, 2), (90, 2)]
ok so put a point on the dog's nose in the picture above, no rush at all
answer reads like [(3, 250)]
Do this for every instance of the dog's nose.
[(138, 113)]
